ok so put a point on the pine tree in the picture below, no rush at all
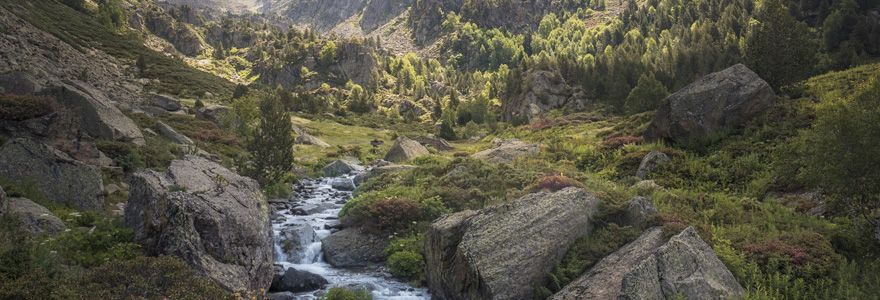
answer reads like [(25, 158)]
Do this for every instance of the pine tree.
[(646, 95), (272, 142), (219, 53), (777, 46), (141, 64)]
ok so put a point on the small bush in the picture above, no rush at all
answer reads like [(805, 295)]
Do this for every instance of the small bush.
[(553, 183), (807, 253), (386, 213), (340, 293), (619, 142), (17, 108), (407, 264)]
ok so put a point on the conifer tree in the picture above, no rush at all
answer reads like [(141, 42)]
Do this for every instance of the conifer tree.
[(272, 142)]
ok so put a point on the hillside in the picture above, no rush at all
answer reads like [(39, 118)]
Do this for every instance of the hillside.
[(439, 149)]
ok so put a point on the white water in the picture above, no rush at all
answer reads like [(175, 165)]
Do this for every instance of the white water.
[(376, 279)]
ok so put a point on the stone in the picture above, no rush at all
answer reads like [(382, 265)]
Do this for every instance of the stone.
[(295, 239), (98, 115), (64, 180), (438, 143), (405, 149), (714, 103), (343, 184), (172, 135), (503, 251), (165, 102), (34, 217), (3, 203), (342, 166), (507, 151), (543, 91), (603, 280), (155, 111), (111, 188), (297, 281), (308, 139), (214, 113), (652, 268), (19, 83), (637, 212), (59, 130), (650, 162), (378, 171), (457, 170), (213, 219), (353, 248), (684, 266)]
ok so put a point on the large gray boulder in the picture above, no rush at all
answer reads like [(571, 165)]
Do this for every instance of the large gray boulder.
[(378, 171), (63, 179), (405, 149), (652, 268), (543, 91), (342, 166), (165, 102), (215, 220), (503, 251), (353, 248), (507, 151), (98, 116), (716, 102), (650, 162), (34, 217)]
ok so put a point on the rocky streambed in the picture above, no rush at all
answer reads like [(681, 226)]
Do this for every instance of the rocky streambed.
[(308, 234)]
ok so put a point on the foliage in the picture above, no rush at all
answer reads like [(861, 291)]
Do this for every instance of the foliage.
[(553, 183), (386, 213), (341, 293), (406, 264), (272, 142), (112, 14), (838, 155), (777, 46), (18, 108), (328, 53), (646, 95)]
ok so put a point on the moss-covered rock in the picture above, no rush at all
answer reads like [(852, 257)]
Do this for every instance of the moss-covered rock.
[(507, 151), (503, 251), (215, 220), (34, 217)]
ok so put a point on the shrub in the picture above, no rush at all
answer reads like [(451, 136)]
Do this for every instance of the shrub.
[(340, 293), (414, 243), (17, 108), (386, 213), (407, 264), (107, 240), (553, 183), (808, 253)]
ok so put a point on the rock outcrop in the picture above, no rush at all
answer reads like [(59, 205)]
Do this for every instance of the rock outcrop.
[(183, 36), (506, 151), (213, 113), (437, 143), (405, 149), (63, 179), (714, 103), (650, 162), (503, 251), (59, 130), (649, 268), (172, 135), (18, 83), (98, 115), (34, 217), (296, 281), (215, 220), (378, 12), (353, 248), (543, 91), (342, 166)]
